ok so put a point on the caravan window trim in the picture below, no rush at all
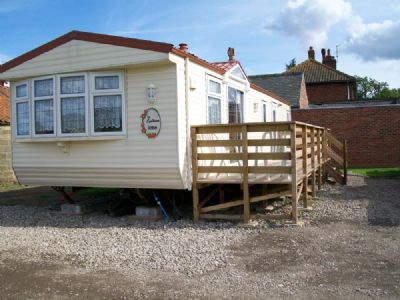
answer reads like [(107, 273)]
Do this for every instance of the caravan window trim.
[(60, 96), (212, 96), (16, 102), (35, 99), (120, 91)]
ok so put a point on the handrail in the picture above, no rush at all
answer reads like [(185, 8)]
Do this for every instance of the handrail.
[(255, 153)]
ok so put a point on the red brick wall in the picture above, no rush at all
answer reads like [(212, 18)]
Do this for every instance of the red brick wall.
[(303, 95), (329, 92), (372, 133), (4, 105)]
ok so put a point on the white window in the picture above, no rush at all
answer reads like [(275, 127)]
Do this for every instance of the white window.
[(22, 109), (43, 106), (214, 102), (67, 105), (73, 105), (274, 111), (107, 103), (265, 112)]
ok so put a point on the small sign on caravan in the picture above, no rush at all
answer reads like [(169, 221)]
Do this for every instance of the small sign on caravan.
[(151, 122)]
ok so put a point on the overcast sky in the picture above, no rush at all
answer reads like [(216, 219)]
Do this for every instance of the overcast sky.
[(266, 34)]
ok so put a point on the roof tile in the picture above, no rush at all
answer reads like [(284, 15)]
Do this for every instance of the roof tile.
[(315, 72)]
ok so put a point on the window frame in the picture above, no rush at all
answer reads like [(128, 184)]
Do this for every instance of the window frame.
[(110, 92), (34, 99), (17, 100), (242, 104), (86, 97), (217, 96)]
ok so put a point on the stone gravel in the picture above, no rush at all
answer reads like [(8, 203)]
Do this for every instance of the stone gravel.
[(98, 241), (348, 249)]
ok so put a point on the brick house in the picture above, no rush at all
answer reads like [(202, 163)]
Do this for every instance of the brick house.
[(4, 104), (290, 86), (324, 83), (6, 172)]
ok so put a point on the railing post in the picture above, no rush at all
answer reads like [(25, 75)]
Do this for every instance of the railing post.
[(319, 158), (195, 190), (246, 197), (313, 162), (345, 162), (305, 170), (324, 153), (294, 172)]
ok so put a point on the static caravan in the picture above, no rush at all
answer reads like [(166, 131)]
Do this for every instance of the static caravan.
[(97, 110)]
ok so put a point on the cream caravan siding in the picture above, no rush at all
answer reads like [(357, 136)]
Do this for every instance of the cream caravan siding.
[(134, 161), (258, 98), (79, 56)]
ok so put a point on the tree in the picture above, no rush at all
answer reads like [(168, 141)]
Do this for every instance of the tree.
[(390, 93), (368, 88), (291, 64)]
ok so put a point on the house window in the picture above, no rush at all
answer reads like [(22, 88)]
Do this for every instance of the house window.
[(43, 106), (22, 109), (214, 102), (235, 102), (73, 105), (265, 112), (214, 110), (23, 118), (59, 106), (274, 109), (107, 104)]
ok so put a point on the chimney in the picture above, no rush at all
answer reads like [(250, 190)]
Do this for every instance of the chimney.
[(231, 54), (329, 60), (184, 47), (311, 53), (323, 55)]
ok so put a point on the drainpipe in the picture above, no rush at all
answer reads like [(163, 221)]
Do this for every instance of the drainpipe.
[(348, 91)]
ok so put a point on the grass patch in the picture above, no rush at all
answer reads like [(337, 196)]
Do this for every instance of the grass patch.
[(378, 172), (97, 192)]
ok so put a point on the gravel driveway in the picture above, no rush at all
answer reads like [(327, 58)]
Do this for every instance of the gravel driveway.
[(348, 248)]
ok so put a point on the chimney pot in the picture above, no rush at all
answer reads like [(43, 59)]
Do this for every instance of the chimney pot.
[(311, 53), (231, 54), (323, 54), (183, 47)]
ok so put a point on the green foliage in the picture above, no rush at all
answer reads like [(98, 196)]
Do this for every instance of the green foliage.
[(291, 64), (390, 93), (378, 172), (369, 88)]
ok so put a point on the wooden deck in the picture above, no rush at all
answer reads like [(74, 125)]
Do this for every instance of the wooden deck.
[(267, 160)]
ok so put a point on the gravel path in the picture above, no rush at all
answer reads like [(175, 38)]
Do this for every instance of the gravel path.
[(348, 249)]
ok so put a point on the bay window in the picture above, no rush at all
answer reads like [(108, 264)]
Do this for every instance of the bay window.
[(214, 102), (58, 106)]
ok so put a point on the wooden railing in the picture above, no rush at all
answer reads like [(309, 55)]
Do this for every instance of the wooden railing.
[(290, 155), (337, 154)]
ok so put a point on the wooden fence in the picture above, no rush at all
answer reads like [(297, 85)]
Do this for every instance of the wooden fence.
[(267, 160)]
